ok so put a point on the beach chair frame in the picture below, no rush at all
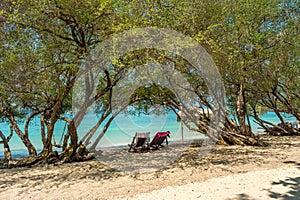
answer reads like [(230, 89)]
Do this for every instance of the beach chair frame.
[(159, 138), (140, 141)]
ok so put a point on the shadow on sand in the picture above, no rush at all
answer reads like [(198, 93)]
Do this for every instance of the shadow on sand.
[(242, 197), (292, 184), (48, 177), (124, 161)]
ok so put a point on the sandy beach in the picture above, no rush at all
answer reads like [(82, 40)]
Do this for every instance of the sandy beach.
[(225, 173)]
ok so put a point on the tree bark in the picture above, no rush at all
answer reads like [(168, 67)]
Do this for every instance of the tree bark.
[(106, 126), (28, 121), (88, 136), (31, 149), (7, 153), (42, 121), (241, 112), (93, 147)]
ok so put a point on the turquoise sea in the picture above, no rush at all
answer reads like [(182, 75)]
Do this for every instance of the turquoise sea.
[(121, 131)]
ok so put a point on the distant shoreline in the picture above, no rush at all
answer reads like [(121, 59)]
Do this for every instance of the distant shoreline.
[(23, 153)]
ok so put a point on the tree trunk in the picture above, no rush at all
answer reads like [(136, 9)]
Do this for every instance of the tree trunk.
[(42, 121), (28, 122), (69, 151), (232, 138), (88, 136), (23, 137), (74, 136), (31, 149), (93, 147), (241, 112), (7, 153), (48, 143)]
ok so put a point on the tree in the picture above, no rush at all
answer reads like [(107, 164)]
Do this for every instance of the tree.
[(245, 40), (58, 36), (281, 93)]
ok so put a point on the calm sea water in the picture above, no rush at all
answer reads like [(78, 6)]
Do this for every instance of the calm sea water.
[(120, 132)]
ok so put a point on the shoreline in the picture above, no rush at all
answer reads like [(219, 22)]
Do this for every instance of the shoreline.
[(17, 154), (95, 180), (173, 126)]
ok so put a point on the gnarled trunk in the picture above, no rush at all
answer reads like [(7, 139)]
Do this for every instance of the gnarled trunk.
[(241, 111), (13, 124), (7, 153)]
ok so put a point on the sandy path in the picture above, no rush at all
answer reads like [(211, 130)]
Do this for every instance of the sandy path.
[(282, 183)]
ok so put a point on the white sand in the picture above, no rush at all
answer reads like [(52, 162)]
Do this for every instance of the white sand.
[(264, 184), (281, 183)]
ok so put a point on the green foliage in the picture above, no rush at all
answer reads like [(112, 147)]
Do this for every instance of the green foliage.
[(146, 97), (255, 44)]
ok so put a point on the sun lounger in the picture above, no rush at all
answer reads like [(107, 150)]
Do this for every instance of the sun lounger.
[(159, 138), (140, 141)]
